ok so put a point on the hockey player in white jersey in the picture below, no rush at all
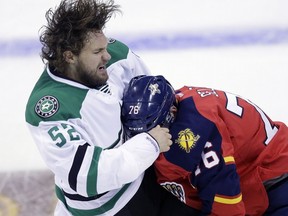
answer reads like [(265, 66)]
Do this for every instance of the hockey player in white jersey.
[(74, 115)]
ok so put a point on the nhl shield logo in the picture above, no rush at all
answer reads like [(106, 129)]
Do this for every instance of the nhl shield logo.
[(47, 106)]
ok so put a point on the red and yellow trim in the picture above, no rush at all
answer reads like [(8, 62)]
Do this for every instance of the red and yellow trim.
[(229, 160), (230, 200)]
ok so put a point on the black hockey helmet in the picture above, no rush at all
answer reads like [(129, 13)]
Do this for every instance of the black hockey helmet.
[(146, 103)]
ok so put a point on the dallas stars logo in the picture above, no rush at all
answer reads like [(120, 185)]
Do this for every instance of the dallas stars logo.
[(187, 140), (47, 106)]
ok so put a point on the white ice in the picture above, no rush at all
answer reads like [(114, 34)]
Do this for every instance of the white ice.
[(257, 72)]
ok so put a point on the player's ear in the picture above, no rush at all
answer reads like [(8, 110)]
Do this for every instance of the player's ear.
[(69, 57)]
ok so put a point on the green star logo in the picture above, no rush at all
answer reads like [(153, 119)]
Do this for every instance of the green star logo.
[(47, 106)]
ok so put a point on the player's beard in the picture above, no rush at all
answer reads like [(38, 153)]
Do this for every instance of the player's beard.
[(91, 78)]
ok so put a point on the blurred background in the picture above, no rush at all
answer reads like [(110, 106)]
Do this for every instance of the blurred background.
[(237, 46)]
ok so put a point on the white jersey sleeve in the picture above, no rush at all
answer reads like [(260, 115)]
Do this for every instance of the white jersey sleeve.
[(123, 66), (134, 156)]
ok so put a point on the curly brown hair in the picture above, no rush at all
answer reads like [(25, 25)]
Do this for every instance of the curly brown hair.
[(68, 26)]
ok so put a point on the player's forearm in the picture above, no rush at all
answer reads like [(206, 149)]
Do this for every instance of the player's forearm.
[(127, 162)]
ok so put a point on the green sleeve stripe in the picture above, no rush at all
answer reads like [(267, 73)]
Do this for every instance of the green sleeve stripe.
[(118, 51), (96, 211), (93, 171)]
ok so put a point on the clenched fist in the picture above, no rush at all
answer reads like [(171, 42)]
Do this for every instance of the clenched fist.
[(162, 136)]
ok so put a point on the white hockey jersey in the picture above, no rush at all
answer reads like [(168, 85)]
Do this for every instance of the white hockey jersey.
[(78, 132), (123, 66)]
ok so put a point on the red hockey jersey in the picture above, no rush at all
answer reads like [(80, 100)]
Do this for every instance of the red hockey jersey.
[(224, 148)]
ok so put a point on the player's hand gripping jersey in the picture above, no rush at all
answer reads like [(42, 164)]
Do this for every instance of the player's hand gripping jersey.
[(70, 122), (225, 148)]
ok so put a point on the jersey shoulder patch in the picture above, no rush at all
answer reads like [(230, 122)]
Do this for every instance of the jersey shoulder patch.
[(53, 101)]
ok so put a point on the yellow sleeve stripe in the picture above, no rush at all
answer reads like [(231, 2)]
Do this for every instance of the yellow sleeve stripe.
[(229, 159), (228, 200)]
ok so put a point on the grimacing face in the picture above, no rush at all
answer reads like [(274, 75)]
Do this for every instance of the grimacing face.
[(90, 64)]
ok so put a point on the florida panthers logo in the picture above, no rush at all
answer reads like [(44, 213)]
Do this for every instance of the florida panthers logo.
[(154, 89), (187, 140), (176, 189)]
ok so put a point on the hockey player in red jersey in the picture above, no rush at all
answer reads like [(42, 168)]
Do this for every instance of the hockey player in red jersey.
[(228, 157)]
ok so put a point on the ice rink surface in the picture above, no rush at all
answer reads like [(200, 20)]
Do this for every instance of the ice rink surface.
[(240, 47)]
